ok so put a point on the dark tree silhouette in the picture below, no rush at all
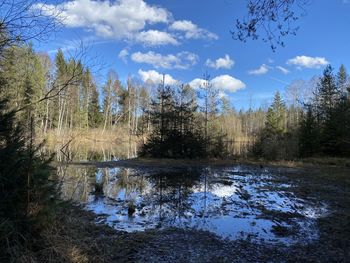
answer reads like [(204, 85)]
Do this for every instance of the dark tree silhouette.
[(22, 21), (271, 20)]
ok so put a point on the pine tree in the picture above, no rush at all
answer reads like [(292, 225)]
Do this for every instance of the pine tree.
[(309, 134), (175, 132), (342, 80), (327, 94), (276, 116), (95, 116), (27, 195)]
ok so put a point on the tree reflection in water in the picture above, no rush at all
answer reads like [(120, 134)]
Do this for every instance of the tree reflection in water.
[(231, 202)]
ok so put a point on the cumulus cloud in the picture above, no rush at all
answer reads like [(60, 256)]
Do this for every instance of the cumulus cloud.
[(283, 70), (263, 69), (121, 19), (228, 83), (225, 62), (123, 54), (222, 83), (182, 60), (308, 62), (155, 38), (129, 20), (153, 77), (192, 31)]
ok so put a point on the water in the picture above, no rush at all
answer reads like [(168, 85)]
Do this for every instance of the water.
[(236, 202)]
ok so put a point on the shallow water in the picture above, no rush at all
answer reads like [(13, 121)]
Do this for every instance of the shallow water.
[(236, 202)]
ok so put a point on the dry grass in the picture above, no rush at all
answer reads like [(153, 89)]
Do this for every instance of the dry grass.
[(119, 134), (74, 237)]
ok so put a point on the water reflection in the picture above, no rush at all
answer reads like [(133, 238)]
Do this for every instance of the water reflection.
[(231, 202), (99, 151)]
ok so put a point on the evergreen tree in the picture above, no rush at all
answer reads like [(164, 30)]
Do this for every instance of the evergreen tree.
[(342, 80), (274, 141), (309, 134), (276, 116), (95, 116), (175, 132), (327, 95), (27, 195)]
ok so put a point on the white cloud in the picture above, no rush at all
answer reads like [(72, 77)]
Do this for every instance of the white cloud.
[(282, 69), (308, 62), (225, 62), (123, 55), (182, 60), (155, 38), (222, 83), (228, 83), (121, 19), (153, 77), (263, 69), (192, 31), (128, 20)]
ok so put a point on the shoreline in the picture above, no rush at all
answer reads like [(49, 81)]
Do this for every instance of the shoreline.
[(159, 163)]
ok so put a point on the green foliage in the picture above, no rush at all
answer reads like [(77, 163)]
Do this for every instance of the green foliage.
[(21, 69), (325, 128), (309, 134), (27, 195), (175, 133), (275, 141), (94, 113), (276, 117)]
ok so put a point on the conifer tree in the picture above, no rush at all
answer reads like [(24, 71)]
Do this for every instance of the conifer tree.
[(309, 134), (95, 116), (276, 116)]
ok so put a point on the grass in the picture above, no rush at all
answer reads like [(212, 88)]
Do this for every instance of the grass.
[(86, 136)]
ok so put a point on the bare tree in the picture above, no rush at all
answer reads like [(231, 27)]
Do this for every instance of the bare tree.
[(272, 20), (22, 21)]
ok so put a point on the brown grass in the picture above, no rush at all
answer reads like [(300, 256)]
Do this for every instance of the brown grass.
[(119, 134)]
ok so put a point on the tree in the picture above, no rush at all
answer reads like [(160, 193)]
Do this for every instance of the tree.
[(27, 194), (274, 141), (94, 114), (276, 116), (22, 21), (272, 19), (342, 80), (175, 132), (327, 94), (309, 134), (209, 109)]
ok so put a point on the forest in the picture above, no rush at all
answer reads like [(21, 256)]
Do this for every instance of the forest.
[(205, 174), (61, 96)]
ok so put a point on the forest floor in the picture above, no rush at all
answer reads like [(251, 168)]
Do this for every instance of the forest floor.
[(75, 237)]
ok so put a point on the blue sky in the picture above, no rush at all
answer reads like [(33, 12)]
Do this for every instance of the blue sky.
[(185, 39)]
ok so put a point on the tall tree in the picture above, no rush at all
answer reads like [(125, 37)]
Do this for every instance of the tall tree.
[(309, 134), (276, 116)]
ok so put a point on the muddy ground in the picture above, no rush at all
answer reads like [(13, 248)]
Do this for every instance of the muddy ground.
[(75, 237)]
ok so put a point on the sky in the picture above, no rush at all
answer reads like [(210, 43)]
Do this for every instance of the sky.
[(185, 39)]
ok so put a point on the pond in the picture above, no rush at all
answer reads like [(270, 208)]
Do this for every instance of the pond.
[(238, 202)]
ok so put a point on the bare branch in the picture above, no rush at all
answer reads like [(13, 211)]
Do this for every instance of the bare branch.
[(272, 20), (22, 21)]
